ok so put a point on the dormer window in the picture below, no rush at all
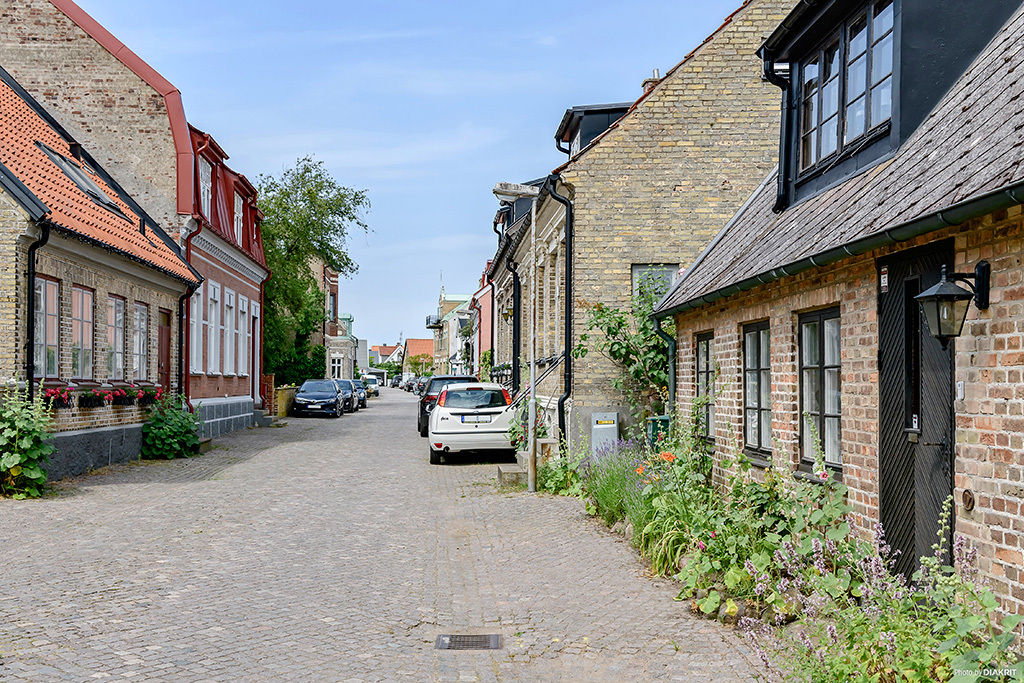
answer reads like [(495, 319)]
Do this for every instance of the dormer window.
[(205, 187), (239, 218), (846, 86)]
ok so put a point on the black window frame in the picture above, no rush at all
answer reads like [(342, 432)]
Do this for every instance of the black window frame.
[(871, 131), (707, 374), (760, 455), (821, 367), (79, 174)]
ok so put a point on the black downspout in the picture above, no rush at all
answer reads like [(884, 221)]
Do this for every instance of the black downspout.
[(671, 341), (551, 183), (182, 349), (30, 369), (782, 194), (516, 295)]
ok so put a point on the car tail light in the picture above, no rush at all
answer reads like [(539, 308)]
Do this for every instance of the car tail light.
[(508, 399), (441, 398), (430, 398), (438, 446)]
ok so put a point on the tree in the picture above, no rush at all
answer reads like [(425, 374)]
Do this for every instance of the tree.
[(307, 219)]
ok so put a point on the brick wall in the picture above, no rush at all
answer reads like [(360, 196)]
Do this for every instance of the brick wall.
[(116, 115), (658, 187), (989, 360)]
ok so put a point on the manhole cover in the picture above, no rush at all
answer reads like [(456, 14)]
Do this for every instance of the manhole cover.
[(464, 642)]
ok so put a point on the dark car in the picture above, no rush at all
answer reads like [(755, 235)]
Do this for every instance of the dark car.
[(361, 390), (353, 402), (432, 387), (347, 392), (318, 396), (421, 384)]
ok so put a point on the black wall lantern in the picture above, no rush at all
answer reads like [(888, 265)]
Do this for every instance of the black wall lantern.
[(945, 305)]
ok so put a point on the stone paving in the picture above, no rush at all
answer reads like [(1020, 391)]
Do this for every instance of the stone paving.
[(330, 550)]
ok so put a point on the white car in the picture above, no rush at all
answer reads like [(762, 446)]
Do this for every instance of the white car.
[(469, 417)]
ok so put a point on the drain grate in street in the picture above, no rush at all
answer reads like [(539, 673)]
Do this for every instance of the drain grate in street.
[(467, 642)]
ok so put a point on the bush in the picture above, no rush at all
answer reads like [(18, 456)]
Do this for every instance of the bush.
[(561, 475), (171, 432), (24, 445)]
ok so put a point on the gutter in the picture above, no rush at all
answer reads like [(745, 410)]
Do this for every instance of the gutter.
[(31, 301), (549, 186), (955, 214), (517, 293)]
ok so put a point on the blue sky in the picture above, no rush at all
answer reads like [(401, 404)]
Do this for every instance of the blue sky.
[(426, 105)]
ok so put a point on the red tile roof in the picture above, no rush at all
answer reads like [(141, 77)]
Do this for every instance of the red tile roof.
[(384, 350), (418, 347), (22, 126)]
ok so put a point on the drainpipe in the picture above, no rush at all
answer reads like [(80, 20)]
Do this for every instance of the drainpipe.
[(671, 363), (31, 331), (782, 194), (516, 326), (184, 341), (551, 184)]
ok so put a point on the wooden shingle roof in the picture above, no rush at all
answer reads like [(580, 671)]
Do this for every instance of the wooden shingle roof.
[(971, 146)]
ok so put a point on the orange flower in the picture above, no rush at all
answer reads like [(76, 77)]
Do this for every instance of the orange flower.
[(667, 457), (640, 470)]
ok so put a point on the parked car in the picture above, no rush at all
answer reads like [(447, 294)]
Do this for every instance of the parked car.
[(353, 401), (421, 384), (432, 387), (360, 391), (372, 385), (345, 387), (469, 417), (318, 396), (395, 381)]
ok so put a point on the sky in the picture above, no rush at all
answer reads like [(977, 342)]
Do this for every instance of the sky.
[(425, 105)]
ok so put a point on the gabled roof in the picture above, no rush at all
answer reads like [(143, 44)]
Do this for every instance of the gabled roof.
[(965, 160), (171, 95), (419, 347), (647, 93), (32, 147)]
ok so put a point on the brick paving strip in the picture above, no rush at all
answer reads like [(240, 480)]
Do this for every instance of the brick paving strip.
[(330, 550)]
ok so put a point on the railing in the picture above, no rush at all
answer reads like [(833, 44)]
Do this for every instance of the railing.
[(433, 321)]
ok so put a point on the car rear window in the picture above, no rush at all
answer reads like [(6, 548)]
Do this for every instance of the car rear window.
[(475, 398), (317, 385), (435, 385)]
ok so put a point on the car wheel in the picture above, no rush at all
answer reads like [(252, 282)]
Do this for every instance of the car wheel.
[(337, 409), (435, 456), (423, 431)]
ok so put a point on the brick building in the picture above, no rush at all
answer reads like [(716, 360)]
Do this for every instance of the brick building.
[(134, 121), (94, 289), (805, 301)]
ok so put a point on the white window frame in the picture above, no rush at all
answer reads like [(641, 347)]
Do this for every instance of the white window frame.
[(239, 218), (46, 356), (82, 331), (214, 330), (195, 327), (115, 337), (230, 323), (140, 341), (205, 187), (244, 336)]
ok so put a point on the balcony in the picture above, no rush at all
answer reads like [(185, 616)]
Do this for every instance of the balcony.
[(433, 322)]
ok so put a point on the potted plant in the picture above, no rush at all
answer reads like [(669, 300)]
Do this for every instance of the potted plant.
[(148, 394), (57, 397)]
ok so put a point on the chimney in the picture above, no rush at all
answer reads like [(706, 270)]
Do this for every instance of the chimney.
[(649, 83)]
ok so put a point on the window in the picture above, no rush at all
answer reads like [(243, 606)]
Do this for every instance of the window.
[(332, 308), (47, 323), (229, 332), (214, 330), (195, 330), (79, 174), (336, 365), (819, 385), (81, 332), (854, 68), (239, 218), (243, 338), (656, 278), (115, 337), (757, 389), (205, 187), (140, 345), (706, 384)]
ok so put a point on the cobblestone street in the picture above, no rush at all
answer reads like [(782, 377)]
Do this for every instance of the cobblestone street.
[(330, 550)]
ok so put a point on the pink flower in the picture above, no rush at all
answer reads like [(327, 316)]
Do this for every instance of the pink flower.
[(712, 534), (700, 544)]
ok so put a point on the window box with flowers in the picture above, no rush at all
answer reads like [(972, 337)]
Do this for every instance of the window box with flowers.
[(57, 397), (148, 394), (91, 394)]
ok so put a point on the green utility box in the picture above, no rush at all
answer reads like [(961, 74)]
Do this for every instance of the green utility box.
[(656, 426)]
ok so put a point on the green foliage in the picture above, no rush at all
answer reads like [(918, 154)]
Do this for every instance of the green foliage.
[(420, 365), (307, 218), (628, 338), (518, 429), (301, 365), (561, 475), (391, 367), (486, 364), (171, 431), (24, 445)]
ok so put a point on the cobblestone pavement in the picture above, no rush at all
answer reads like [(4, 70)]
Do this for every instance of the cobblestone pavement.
[(330, 550)]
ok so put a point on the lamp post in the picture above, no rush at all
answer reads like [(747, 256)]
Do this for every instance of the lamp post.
[(510, 192)]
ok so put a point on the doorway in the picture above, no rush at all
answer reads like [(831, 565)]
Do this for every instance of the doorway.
[(163, 368), (916, 430)]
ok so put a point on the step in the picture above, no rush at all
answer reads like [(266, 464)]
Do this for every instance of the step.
[(205, 445), (263, 418), (511, 475)]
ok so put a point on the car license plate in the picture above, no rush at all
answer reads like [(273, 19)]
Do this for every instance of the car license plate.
[(476, 418)]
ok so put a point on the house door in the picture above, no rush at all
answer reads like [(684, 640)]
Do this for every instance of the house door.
[(163, 367), (916, 406)]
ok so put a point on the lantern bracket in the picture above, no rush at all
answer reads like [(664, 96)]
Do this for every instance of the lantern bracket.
[(978, 281)]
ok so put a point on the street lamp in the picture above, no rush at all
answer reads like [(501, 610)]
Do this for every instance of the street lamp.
[(946, 304), (510, 192)]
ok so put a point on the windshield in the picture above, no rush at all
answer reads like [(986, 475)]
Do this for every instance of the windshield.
[(315, 385), (359, 383), (435, 385), (345, 384), (372, 380), (475, 398)]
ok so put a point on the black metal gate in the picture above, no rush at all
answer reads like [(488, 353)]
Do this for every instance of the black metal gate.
[(916, 405)]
